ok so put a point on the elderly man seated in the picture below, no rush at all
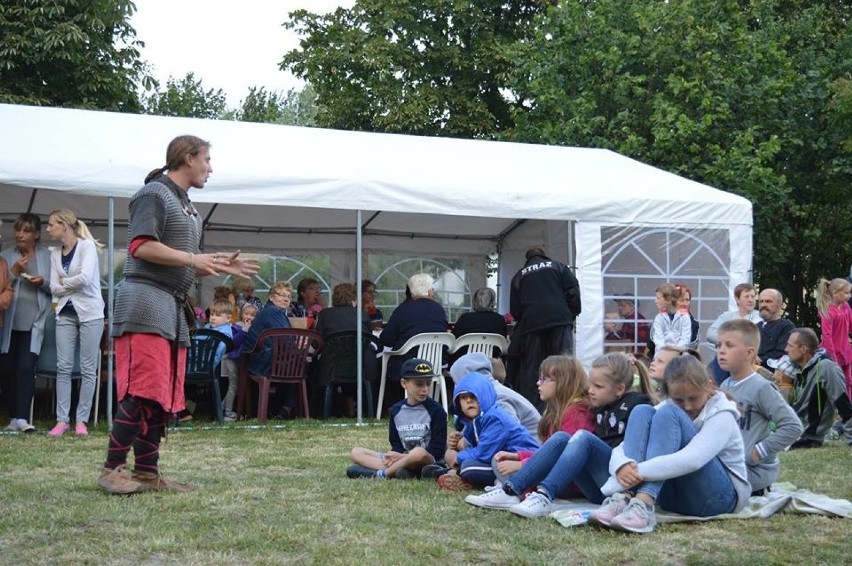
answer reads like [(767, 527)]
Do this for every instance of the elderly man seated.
[(416, 315)]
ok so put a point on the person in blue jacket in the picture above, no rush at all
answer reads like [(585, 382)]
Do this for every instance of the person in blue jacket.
[(488, 429)]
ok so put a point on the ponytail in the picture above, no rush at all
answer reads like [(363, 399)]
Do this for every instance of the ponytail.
[(825, 289), (70, 219), (155, 173), (176, 154)]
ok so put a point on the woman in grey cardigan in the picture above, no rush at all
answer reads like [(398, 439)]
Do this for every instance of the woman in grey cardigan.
[(23, 327)]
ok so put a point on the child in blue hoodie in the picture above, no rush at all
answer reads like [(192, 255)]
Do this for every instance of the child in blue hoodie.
[(488, 429)]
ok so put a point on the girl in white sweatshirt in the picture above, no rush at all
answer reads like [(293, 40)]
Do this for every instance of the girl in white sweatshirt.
[(686, 455)]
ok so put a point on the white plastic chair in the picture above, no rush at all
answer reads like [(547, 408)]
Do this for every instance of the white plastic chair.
[(482, 342), (430, 347)]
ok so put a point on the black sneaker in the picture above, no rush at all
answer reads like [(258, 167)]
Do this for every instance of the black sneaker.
[(805, 443), (404, 474), (433, 471), (355, 471)]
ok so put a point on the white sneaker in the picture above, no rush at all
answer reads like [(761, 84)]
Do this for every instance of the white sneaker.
[(12, 426), (493, 498), (535, 505)]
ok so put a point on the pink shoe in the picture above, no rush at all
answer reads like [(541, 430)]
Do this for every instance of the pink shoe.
[(59, 429), (81, 430)]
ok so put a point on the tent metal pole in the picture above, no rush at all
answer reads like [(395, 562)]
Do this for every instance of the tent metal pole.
[(110, 297), (359, 316)]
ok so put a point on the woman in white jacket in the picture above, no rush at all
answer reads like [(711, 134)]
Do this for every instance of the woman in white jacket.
[(75, 283)]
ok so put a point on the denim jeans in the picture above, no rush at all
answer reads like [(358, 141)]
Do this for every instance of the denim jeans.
[(563, 459), (69, 333), (702, 493)]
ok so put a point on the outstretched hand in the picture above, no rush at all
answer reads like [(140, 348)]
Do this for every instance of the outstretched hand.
[(221, 262)]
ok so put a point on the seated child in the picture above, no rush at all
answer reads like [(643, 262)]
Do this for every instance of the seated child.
[(611, 327), (220, 321), (417, 431), (515, 404), (581, 457), (686, 455), (247, 314), (759, 402), (487, 430)]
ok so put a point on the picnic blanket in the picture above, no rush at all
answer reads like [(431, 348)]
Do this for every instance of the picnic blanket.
[(784, 498)]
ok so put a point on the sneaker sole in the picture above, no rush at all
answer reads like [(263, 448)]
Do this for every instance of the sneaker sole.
[(472, 500), (624, 528), (528, 514), (596, 521)]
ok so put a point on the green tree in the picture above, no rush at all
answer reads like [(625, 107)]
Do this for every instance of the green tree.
[(736, 95), (430, 67), (295, 108), (74, 53), (187, 98)]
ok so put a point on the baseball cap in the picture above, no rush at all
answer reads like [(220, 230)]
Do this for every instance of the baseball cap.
[(417, 367)]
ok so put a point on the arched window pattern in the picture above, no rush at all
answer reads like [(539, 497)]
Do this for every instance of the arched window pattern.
[(637, 260), (452, 290)]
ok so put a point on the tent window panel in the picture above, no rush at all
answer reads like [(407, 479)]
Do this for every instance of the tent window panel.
[(638, 259), (453, 290)]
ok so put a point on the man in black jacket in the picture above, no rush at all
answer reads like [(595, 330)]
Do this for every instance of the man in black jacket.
[(545, 301)]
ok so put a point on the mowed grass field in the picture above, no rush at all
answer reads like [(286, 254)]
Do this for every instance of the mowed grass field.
[(279, 495)]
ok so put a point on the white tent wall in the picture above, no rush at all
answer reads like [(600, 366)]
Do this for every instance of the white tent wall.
[(281, 189)]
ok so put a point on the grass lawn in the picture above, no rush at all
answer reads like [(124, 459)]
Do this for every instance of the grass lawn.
[(280, 495)]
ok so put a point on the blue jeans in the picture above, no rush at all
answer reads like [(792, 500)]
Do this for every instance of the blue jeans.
[(705, 492), (562, 459)]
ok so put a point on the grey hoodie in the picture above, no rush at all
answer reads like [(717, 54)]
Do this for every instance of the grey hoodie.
[(760, 404), (515, 404), (718, 436)]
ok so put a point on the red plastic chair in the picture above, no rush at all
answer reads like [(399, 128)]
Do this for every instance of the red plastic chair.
[(291, 348)]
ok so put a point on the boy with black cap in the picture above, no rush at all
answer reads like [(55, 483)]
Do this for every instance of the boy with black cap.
[(417, 430)]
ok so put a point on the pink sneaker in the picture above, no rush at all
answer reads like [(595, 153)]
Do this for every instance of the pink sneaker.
[(59, 429), (81, 430)]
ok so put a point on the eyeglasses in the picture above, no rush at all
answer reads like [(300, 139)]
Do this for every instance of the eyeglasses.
[(282, 295), (543, 378)]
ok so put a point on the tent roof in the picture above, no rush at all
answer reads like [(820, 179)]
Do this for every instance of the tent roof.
[(279, 179)]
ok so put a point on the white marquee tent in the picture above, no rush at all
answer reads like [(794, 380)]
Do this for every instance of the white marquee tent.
[(626, 226)]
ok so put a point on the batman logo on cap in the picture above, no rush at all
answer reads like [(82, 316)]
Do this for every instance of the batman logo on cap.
[(423, 368)]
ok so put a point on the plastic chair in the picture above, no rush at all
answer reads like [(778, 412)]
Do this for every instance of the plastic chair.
[(46, 365), (430, 346), (482, 342), (291, 348), (201, 362), (339, 361)]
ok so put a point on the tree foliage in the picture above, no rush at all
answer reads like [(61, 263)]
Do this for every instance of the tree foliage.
[(431, 67), (74, 53), (750, 97), (188, 98), (293, 108)]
